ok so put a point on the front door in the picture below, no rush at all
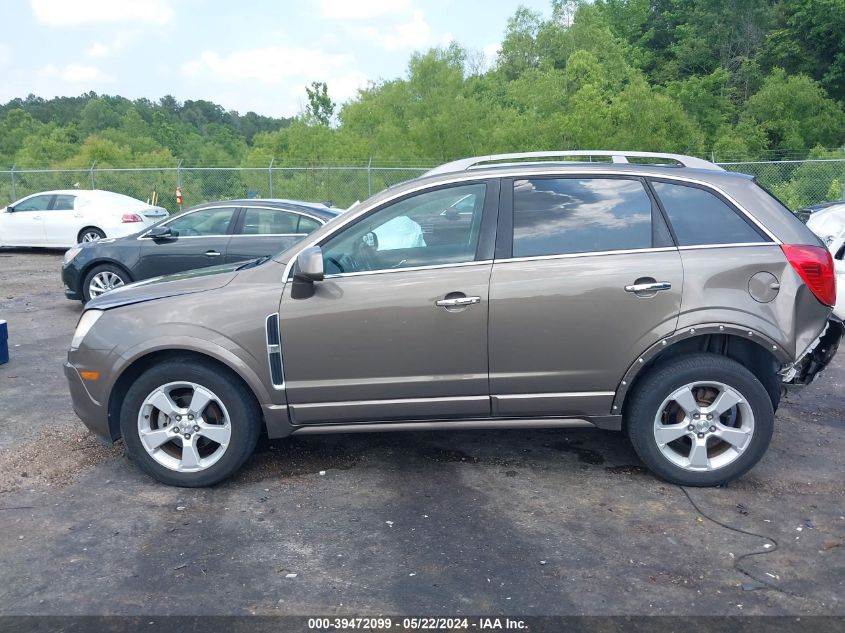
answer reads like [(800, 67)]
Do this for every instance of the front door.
[(200, 238), (25, 225), (585, 279), (398, 328)]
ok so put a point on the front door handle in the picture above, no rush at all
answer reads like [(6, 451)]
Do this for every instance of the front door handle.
[(653, 286), (212, 254), (457, 302)]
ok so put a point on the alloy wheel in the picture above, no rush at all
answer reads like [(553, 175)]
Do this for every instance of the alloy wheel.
[(90, 236), (184, 426), (103, 282), (703, 426)]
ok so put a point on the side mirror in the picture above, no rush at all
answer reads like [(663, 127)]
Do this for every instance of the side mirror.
[(10, 209), (162, 233), (309, 265)]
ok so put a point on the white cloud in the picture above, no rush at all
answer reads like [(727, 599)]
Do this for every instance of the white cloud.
[(121, 40), (269, 64), (4, 55), (413, 34), (98, 50), (78, 12), (361, 9), (76, 74), (287, 69)]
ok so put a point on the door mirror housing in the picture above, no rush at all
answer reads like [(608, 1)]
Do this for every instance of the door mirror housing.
[(10, 209), (309, 265), (162, 233)]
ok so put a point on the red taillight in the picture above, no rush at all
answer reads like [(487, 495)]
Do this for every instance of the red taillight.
[(131, 217), (815, 265)]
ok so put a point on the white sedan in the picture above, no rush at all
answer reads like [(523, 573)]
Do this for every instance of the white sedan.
[(829, 225), (64, 218)]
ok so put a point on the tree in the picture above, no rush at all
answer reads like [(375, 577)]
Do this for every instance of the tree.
[(320, 108)]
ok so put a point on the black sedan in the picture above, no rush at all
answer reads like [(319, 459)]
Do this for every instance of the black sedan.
[(205, 235)]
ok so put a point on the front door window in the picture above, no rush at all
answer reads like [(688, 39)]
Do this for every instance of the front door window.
[(427, 229)]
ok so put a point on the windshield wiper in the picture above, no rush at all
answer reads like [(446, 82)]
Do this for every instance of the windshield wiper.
[(253, 263)]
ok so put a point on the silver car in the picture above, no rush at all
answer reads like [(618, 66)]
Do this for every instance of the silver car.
[(654, 294)]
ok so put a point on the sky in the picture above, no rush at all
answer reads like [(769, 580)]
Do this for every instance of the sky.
[(249, 55)]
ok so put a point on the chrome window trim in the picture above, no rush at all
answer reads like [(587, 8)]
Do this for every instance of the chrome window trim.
[(267, 235), (462, 177), (732, 245), (410, 268), (531, 258)]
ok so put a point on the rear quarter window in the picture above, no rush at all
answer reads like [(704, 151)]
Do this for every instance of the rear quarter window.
[(699, 217)]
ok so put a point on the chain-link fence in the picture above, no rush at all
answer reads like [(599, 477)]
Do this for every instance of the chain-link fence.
[(797, 183)]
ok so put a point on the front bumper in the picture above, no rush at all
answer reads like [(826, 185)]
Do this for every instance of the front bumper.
[(72, 280), (805, 370), (93, 414)]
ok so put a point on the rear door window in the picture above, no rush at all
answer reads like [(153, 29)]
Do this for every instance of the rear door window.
[(261, 221), (699, 217), (557, 216), (64, 202)]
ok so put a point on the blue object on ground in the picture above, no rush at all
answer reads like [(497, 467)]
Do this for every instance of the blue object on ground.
[(4, 342)]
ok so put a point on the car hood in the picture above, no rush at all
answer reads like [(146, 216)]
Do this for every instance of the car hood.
[(190, 282)]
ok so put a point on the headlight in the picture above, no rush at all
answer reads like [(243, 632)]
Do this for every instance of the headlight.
[(86, 322), (71, 253)]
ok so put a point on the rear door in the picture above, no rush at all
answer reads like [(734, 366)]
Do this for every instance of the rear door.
[(62, 221), (586, 277), (201, 238), (25, 225), (263, 231)]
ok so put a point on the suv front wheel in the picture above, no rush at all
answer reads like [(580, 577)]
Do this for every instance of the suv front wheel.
[(700, 420), (189, 423)]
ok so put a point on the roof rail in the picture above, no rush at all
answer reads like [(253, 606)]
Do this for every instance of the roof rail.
[(617, 156)]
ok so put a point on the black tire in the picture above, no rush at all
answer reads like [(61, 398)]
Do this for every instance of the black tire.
[(244, 414), (92, 230), (96, 270), (662, 381)]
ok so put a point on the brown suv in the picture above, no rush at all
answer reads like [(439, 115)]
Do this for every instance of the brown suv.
[(661, 296)]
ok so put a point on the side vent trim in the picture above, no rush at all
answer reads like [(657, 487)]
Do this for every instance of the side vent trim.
[(274, 351)]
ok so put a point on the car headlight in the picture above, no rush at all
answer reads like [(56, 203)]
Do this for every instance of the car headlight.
[(86, 322), (71, 253)]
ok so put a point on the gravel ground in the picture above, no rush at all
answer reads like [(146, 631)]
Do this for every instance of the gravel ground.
[(516, 522)]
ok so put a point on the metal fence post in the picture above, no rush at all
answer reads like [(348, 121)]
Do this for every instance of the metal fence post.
[(14, 189), (370, 177), (91, 171), (270, 175)]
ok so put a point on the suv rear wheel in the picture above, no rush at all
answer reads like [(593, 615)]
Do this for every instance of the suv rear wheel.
[(700, 420), (187, 423)]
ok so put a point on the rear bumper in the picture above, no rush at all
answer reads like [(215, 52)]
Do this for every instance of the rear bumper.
[(805, 369)]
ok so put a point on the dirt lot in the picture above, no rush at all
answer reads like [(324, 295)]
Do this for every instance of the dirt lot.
[(515, 522)]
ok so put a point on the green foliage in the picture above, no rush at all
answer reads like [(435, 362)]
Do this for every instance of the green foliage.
[(734, 79), (320, 109)]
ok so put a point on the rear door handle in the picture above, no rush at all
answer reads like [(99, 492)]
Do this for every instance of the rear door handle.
[(212, 254), (457, 302), (649, 287)]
